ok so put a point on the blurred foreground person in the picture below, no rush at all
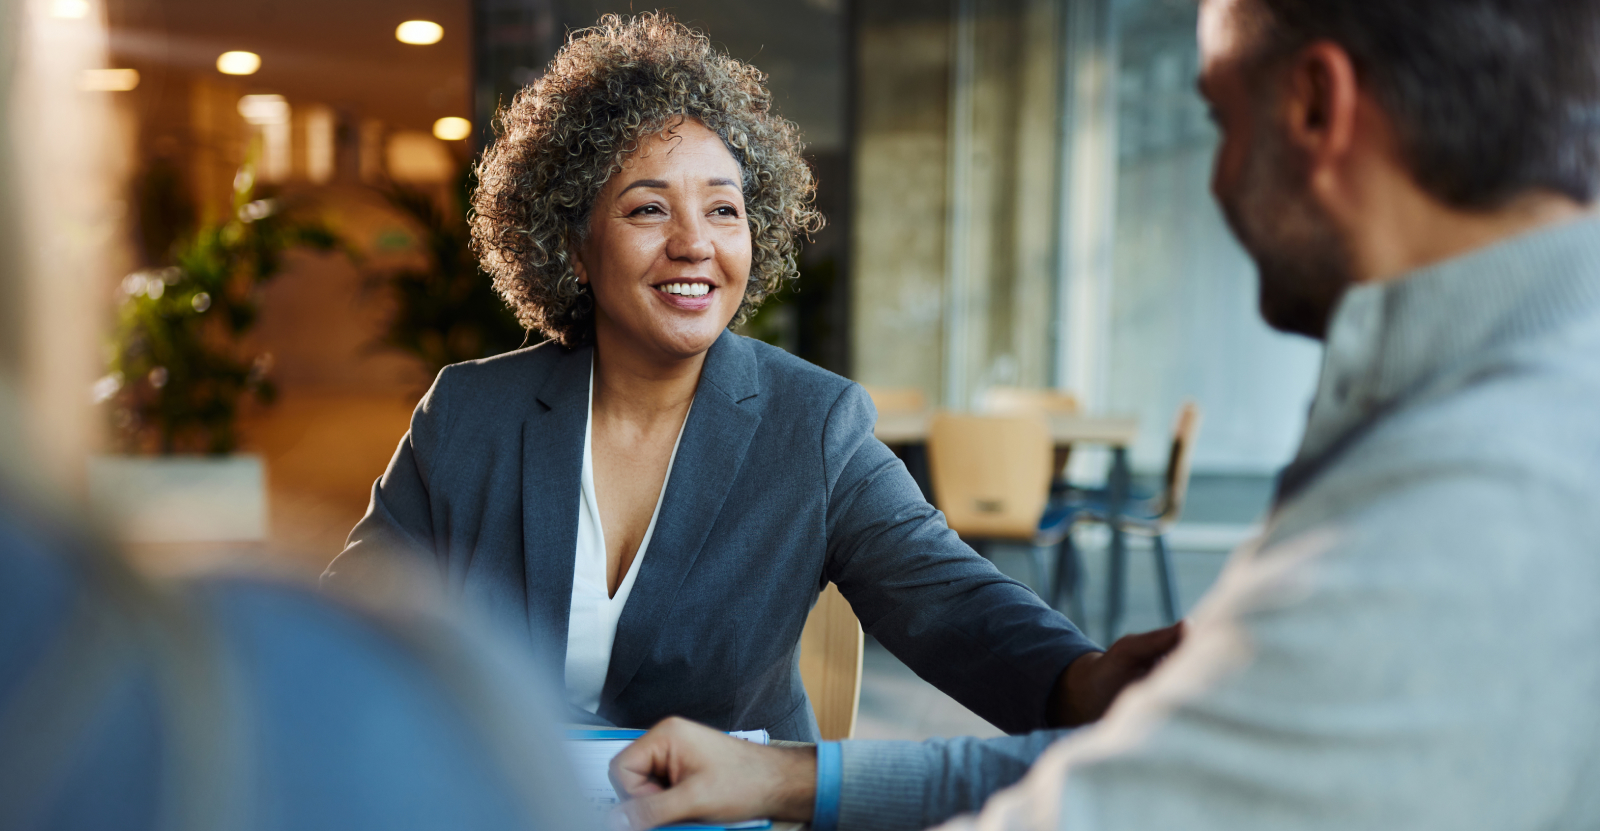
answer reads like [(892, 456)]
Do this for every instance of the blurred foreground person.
[(243, 704), (1411, 644), (226, 704)]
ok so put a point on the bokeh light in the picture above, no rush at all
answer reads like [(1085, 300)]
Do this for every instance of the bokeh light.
[(419, 32), (70, 9), (108, 80), (238, 63), (452, 128)]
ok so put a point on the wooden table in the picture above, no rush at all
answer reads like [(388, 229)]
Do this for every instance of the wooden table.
[(908, 431), (1112, 431)]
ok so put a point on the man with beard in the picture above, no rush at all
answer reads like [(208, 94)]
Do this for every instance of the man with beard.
[(1410, 644)]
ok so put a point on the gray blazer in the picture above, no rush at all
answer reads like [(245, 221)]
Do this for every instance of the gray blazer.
[(779, 487)]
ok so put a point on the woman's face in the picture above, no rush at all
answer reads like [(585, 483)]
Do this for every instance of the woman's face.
[(668, 251)]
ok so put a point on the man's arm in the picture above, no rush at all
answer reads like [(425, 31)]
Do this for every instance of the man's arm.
[(681, 770)]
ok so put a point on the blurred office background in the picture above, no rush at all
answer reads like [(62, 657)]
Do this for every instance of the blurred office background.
[(1016, 194)]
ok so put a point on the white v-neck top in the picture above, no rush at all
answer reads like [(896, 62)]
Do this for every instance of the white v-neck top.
[(592, 623)]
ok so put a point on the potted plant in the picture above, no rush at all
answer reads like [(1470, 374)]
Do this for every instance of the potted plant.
[(179, 372), (447, 311)]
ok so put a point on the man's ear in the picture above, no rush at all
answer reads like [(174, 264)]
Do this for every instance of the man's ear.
[(1322, 96)]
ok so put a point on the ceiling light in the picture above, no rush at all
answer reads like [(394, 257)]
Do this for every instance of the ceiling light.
[(419, 32), (238, 63), (70, 9), (108, 80), (452, 128), (264, 109)]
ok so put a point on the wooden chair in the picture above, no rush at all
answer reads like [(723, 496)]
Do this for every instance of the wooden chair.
[(991, 477), (1030, 401), (830, 664), (1151, 517)]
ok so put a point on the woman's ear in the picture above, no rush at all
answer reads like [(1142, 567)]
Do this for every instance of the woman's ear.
[(575, 254)]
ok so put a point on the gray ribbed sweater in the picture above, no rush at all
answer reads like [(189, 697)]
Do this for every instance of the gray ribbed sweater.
[(1413, 642)]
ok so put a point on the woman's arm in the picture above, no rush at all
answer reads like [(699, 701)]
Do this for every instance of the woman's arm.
[(983, 638), (399, 519)]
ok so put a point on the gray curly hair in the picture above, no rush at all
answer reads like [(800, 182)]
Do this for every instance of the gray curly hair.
[(564, 136)]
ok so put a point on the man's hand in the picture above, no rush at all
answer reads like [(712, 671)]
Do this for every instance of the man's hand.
[(681, 771), (1088, 685)]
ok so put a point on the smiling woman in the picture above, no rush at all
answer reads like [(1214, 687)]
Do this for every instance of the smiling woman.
[(651, 501)]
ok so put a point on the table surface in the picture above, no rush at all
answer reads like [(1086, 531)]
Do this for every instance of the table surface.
[(1112, 431)]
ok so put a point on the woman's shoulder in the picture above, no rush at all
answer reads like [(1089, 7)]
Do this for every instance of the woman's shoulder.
[(509, 374), (793, 385)]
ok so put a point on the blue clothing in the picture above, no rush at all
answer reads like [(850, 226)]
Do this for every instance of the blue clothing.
[(830, 776), (778, 488), (238, 704)]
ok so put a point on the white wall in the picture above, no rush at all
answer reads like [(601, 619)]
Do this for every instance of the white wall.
[(1184, 322)]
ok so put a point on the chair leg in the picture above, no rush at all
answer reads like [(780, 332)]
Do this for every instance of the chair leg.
[(1040, 569), (1168, 580), (1114, 586), (1069, 575)]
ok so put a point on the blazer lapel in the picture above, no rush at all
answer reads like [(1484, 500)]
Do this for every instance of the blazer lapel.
[(714, 442), (552, 471)]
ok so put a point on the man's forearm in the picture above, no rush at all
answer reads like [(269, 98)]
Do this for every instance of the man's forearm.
[(901, 786)]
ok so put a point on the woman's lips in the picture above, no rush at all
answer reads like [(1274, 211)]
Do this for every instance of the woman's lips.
[(688, 302)]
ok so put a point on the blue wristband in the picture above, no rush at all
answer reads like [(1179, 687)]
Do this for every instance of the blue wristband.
[(830, 781)]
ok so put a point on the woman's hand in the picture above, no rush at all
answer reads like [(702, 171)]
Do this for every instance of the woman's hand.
[(685, 771), (1088, 685)]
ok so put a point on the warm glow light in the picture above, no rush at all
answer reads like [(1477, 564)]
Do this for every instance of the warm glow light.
[(70, 9), (238, 63), (452, 128), (108, 80), (419, 32), (264, 109)]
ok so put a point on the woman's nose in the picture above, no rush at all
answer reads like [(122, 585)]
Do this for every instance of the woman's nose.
[(689, 240)]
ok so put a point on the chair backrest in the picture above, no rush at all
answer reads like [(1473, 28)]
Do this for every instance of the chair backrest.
[(830, 664), (991, 474), (1179, 460), (898, 399), (1027, 401)]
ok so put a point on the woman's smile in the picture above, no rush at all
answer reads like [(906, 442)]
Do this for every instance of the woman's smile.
[(690, 295)]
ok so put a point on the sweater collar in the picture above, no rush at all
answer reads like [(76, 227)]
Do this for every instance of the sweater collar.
[(1388, 342)]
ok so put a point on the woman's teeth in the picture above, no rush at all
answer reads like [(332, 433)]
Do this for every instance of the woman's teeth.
[(686, 289)]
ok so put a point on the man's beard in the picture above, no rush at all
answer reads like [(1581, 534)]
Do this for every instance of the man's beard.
[(1303, 266)]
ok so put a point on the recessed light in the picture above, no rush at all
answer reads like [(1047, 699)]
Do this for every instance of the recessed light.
[(70, 9), (108, 80), (238, 63), (419, 32), (264, 109), (452, 128)]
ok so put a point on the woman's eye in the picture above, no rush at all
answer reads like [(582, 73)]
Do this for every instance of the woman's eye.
[(645, 210), (727, 210)]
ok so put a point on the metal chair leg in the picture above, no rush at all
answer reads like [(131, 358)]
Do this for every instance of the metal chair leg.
[(1114, 586), (1069, 576), (1165, 576), (1040, 568)]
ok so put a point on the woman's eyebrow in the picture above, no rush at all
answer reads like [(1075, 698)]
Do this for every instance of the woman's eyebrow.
[(645, 183), (723, 183)]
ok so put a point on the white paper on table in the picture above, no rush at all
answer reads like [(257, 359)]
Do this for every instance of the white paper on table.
[(591, 759)]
